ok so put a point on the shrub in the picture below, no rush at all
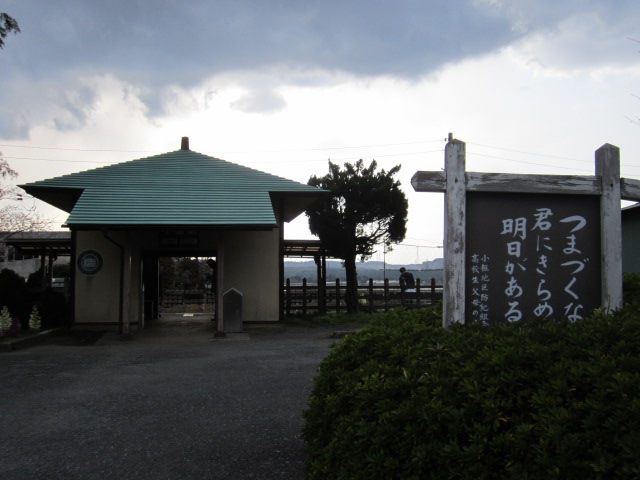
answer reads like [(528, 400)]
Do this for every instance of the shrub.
[(35, 322), (14, 293), (406, 399), (5, 321), (631, 288)]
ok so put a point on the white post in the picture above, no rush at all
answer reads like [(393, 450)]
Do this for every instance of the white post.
[(454, 234), (608, 169)]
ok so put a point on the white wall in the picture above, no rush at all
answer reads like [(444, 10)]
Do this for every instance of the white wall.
[(250, 265), (97, 297)]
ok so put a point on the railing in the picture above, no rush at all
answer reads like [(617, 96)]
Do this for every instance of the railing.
[(172, 298), (305, 299)]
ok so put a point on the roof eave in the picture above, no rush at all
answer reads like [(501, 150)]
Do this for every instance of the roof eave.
[(168, 226), (62, 198), (296, 203)]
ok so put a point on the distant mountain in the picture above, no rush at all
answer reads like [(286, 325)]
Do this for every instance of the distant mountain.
[(296, 271)]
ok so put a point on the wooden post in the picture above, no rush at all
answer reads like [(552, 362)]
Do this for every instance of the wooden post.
[(433, 291), (323, 305), (454, 234), (608, 169), (288, 297), (304, 297), (43, 270), (320, 283), (126, 286), (417, 292), (371, 295), (386, 294), (50, 270), (337, 295), (220, 331)]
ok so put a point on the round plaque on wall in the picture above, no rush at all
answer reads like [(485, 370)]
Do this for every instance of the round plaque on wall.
[(90, 262)]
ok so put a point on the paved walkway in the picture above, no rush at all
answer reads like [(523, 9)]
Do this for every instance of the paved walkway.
[(173, 403)]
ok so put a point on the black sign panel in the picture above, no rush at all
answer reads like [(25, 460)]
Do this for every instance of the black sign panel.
[(179, 238), (531, 256)]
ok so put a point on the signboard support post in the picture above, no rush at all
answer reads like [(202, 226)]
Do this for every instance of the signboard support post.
[(608, 169), (454, 234)]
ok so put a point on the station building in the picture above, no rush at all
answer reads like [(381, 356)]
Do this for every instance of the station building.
[(124, 217)]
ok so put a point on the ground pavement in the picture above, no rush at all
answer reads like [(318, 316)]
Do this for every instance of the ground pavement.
[(172, 403)]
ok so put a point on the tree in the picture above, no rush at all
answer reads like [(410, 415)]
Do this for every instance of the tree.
[(7, 25), (16, 213), (366, 208)]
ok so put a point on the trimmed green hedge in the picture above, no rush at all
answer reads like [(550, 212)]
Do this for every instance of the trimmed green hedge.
[(406, 399)]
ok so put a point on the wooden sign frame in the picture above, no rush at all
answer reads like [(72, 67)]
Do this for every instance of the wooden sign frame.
[(455, 182)]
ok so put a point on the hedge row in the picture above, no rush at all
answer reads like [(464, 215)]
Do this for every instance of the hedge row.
[(406, 399)]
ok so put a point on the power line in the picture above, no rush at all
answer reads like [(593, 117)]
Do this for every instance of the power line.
[(340, 159), (532, 163), (389, 155), (335, 148), (101, 150), (94, 150), (413, 245), (526, 153), (56, 160), (255, 161)]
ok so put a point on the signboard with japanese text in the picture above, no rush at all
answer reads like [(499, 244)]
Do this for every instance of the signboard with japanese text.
[(531, 256), (179, 238)]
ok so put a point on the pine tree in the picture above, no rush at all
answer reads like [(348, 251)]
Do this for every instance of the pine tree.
[(366, 208), (5, 321), (35, 322)]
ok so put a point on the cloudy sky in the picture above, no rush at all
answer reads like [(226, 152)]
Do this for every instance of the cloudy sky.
[(532, 86)]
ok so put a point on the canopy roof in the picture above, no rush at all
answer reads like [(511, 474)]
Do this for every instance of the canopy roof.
[(35, 243), (177, 188)]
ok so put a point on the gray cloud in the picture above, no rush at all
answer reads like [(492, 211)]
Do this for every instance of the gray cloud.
[(169, 41), (154, 45), (260, 101)]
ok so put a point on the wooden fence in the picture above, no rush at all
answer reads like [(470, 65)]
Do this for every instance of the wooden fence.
[(172, 298), (303, 299)]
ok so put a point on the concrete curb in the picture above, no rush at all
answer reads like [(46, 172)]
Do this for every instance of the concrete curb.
[(25, 342)]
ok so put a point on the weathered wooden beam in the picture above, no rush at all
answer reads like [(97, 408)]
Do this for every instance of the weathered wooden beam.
[(511, 183), (516, 183), (455, 204), (608, 168), (630, 189), (429, 181)]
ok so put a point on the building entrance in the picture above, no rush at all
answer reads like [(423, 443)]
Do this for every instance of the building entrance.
[(179, 285)]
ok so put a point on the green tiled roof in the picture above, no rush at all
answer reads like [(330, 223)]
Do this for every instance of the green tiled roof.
[(175, 188)]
